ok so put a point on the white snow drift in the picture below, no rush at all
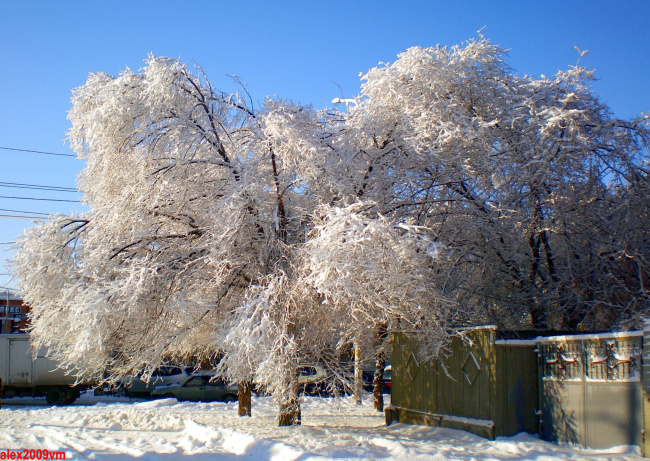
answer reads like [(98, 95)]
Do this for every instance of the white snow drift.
[(112, 429)]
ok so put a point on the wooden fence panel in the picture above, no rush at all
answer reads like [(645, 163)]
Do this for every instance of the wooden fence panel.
[(450, 391), (517, 390)]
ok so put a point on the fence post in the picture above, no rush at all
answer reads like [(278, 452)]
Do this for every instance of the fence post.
[(645, 380)]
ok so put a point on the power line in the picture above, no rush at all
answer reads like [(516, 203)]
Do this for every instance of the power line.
[(25, 212), (20, 217), (44, 199), (38, 152), (19, 185)]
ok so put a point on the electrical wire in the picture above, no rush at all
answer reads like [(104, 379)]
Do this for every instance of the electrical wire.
[(37, 152), (43, 199), (28, 215), (25, 212), (18, 185), (20, 217)]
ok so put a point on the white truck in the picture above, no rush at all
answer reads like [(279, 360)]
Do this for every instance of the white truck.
[(23, 374)]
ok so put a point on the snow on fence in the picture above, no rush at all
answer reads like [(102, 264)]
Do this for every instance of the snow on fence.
[(585, 389)]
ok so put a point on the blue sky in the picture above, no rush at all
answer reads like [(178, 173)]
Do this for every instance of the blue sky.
[(292, 49)]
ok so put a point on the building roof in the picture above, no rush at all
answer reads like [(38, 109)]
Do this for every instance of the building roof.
[(8, 295)]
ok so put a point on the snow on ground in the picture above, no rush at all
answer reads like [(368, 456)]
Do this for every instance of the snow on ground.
[(109, 428)]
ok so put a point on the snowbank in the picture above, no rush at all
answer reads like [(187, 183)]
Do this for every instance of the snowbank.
[(105, 428)]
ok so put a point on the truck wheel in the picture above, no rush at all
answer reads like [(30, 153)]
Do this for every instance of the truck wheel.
[(230, 398), (120, 391), (56, 396), (71, 396)]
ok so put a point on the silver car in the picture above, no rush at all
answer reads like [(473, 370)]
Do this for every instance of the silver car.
[(199, 387), (134, 386)]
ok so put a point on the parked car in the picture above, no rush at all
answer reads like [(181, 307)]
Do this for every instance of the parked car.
[(134, 386), (199, 387), (312, 379), (369, 378), (387, 381)]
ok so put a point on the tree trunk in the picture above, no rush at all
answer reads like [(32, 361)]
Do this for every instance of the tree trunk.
[(538, 317), (377, 383), (244, 395), (290, 408), (358, 374), (380, 364), (289, 414)]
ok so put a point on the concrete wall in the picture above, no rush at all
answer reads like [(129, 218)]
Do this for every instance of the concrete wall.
[(590, 389)]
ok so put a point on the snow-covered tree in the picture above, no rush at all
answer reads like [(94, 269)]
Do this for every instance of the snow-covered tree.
[(452, 190), (375, 274), (529, 183), (182, 222), (199, 208)]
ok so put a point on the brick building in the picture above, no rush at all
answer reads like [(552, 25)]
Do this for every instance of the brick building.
[(13, 313)]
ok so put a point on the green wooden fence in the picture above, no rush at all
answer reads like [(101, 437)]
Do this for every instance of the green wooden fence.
[(481, 387)]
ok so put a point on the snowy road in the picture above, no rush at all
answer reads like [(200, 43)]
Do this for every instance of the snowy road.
[(115, 429)]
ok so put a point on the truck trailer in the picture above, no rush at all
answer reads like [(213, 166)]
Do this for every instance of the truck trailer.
[(23, 373)]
